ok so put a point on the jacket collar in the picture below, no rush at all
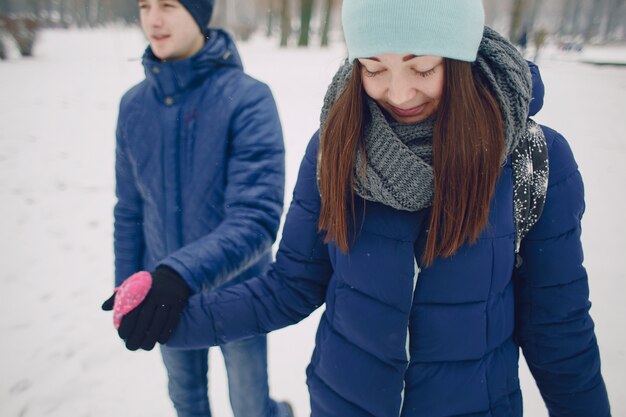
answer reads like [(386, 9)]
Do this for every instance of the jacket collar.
[(171, 79)]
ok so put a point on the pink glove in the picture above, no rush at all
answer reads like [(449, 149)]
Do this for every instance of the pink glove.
[(130, 294)]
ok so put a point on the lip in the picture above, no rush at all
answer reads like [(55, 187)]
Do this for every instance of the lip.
[(408, 112), (158, 38)]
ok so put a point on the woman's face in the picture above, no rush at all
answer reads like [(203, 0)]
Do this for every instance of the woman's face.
[(408, 87)]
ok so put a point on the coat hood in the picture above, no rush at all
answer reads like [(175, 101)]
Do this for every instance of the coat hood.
[(174, 77), (536, 103)]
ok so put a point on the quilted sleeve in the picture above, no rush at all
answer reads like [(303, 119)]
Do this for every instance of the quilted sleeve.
[(553, 325), (253, 198), (294, 286), (128, 241)]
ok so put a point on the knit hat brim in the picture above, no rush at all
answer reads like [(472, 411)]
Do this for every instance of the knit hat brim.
[(447, 28)]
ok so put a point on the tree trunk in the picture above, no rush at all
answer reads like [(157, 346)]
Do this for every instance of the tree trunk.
[(244, 21), (130, 11), (490, 13), (107, 12), (535, 8), (613, 17), (270, 18), (77, 10), (592, 23), (306, 11), (5, 7), (47, 9), (34, 7), (576, 18), (571, 18), (65, 8), (220, 14), (517, 15), (24, 32), (92, 9), (285, 22), (328, 11), (568, 6)]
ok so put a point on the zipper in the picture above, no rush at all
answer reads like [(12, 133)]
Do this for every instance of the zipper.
[(416, 272)]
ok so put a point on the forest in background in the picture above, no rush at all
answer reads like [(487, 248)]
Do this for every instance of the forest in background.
[(574, 23)]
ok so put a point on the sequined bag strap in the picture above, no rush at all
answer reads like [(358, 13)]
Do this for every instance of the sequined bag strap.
[(529, 161)]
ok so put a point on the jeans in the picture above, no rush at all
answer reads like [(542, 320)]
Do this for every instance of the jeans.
[(246, 366)]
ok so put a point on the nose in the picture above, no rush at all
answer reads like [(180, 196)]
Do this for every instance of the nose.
[(400, 91), (155, 17)]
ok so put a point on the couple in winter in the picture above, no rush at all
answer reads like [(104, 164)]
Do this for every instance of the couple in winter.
[(436, 222)]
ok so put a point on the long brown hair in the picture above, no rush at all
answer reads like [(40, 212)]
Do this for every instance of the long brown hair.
[(468, 144)]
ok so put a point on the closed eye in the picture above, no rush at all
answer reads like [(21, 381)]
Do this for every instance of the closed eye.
[(372, 73), (425, 74)]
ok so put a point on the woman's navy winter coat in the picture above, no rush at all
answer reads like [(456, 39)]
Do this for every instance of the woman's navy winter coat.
[(400, 340), (200, 169)]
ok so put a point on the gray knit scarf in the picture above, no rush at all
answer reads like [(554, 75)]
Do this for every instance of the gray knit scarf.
[(398, 171)]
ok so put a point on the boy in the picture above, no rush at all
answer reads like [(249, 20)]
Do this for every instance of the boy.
[(199, 185)]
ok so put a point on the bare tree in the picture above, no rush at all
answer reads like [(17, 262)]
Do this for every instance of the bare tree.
[(106, 13), (220, 13), (539, 39), (124, 10), (570, 22), (285, 22), (93, 9), (489, 11), (63, 13), (23, 30), (241, 18), (592, 23), (328, 10), (533, 11), (613, 17), (32, 7), (3, 52), (517, 16), (271, 10), (306, 11)]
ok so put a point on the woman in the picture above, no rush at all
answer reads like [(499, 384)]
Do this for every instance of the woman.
[(402, 224)]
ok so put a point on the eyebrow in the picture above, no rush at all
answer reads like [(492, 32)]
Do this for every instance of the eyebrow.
[(404, 58)]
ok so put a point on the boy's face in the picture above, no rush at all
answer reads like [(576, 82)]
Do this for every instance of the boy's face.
[(170, 28)]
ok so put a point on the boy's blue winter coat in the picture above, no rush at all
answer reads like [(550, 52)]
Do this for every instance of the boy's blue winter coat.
[(200, 169), (442, 341)]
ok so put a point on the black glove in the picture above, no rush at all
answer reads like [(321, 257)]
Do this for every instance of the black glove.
[(156, 317), (109, 303)]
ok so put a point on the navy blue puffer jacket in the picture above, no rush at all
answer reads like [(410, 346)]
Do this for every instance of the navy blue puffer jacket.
[(199, 168), (397, 339)]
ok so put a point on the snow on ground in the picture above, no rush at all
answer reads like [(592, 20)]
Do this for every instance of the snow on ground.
[(60, 355)]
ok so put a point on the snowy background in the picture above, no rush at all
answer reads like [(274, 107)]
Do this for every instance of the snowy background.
[(59, 354)]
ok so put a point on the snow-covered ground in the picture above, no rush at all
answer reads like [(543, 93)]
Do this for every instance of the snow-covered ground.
[(59, 354)]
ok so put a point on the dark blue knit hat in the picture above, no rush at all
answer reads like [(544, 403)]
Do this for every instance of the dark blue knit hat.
[(201, 11)]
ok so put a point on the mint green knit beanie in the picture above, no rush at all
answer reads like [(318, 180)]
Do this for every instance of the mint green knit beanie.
[(447, 28)]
